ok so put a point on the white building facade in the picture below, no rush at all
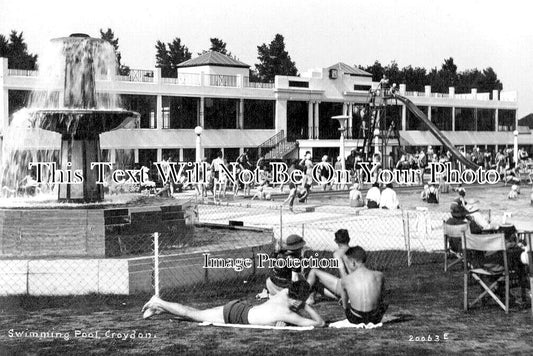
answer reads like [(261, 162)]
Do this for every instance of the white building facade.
[(214, 91)]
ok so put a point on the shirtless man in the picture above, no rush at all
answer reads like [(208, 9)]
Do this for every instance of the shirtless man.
[(361, 289), (331, 284), (284, 307)]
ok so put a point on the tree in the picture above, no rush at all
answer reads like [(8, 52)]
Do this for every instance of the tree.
[(16, 50), (218, 45), (274, 60), (375, 69), (168, 59), (440, 79), (109, 36)]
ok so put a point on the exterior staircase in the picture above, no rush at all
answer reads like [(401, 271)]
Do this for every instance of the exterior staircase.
[(277, 146)]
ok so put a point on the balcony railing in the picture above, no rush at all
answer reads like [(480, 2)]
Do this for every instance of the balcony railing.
[(183, 79), (137, 75), (248, 84), (22, 73), (216, 80)]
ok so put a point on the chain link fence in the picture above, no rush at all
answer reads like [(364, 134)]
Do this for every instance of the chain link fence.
[(195, 247)]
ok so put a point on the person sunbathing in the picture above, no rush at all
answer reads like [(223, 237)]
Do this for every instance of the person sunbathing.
[(283, 308), (362, 289)]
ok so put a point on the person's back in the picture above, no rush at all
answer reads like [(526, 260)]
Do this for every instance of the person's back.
[(363, 287), (373, 197), (389, 199)]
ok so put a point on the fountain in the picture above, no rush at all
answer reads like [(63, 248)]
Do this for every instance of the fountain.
[(72, 219), (76, 113)]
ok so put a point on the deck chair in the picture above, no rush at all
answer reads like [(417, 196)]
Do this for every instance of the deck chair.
[(526, 237), (453, 235), (485, 243)]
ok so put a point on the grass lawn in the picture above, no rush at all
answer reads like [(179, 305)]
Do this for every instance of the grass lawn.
[(431, 300)]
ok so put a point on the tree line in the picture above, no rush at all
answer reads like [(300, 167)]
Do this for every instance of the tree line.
[(440, 80), (274, 59)]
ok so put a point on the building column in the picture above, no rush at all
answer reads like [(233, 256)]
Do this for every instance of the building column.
[(181, 154), (317, 119), (4, 96), (159, 112), (496, 120), (344, 108), (136, 155), (310, 120), (429, 113), (159, 154), (201, 118), (453, 118), (404, 117), (113, 155), (281, 115), (240, 122), (350, 120)]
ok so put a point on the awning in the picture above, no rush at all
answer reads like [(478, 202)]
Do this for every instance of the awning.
[(460, 138), (37, 139)]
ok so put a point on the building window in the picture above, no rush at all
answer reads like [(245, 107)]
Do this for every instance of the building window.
[(180, 112), (297, 120), (442, 117), (189, 155), (465, 119), (145, 105), (17, 99), (298, 84), (413, 122), (486, 119), (231, 154), (506, 120), (393, 115), (171, 153), (220, 113), (259, 114)]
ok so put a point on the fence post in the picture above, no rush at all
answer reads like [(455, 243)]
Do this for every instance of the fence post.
[(407, 235), (280, 226), (156, 263)]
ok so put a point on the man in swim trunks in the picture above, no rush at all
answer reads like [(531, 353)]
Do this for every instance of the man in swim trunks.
[(324, 282), (284, 307), (361, 289)]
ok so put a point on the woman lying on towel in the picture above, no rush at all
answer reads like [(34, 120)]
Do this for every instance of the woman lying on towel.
[(284, 307)]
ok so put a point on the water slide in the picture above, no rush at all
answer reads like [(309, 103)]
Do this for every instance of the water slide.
[(436, 132)]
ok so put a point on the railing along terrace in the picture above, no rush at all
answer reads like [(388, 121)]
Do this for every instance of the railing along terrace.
[(415, 93), (137, 75), (273, 141), (248, 84), (183, 79), (22, 73), (219, 80)]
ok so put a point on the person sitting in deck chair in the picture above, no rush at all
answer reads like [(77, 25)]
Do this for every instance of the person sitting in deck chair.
[(284, 308)]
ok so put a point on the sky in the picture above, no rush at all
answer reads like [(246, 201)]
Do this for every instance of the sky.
[(477, 34)]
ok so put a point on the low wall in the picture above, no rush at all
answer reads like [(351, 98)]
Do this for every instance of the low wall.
[(78, 276), (64, 276), (51, 232)]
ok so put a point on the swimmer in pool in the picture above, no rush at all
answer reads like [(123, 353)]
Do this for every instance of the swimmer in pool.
[(283, 308)]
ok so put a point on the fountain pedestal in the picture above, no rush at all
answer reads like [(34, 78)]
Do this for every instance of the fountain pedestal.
[(80, 146)]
